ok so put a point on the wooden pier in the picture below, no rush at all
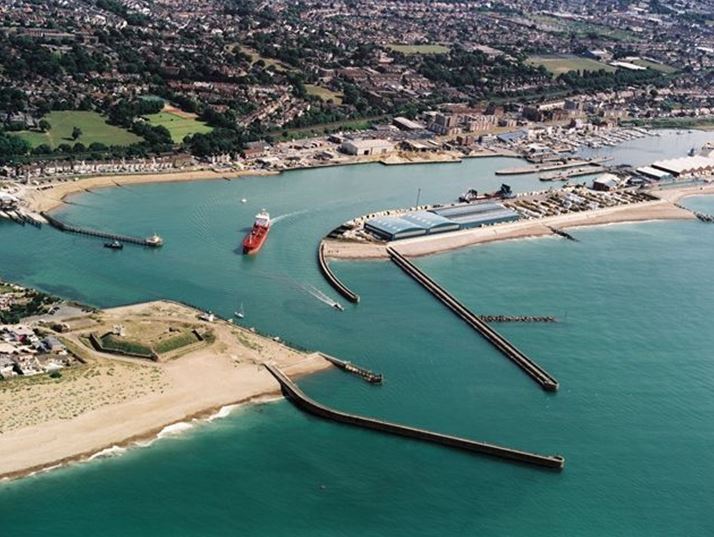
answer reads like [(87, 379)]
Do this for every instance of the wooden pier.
[(364, 374), (302, 401), (153, 242), (546, 381), (331, 278)]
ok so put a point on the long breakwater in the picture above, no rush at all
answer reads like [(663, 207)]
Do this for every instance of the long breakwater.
[(533, 370), (302, 401)]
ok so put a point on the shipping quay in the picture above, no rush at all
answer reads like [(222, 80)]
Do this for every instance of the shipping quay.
[(537, 373), (154, 241), (302, 401), (332, 279)]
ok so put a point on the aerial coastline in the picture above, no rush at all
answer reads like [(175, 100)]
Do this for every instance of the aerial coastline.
[(110, 401)]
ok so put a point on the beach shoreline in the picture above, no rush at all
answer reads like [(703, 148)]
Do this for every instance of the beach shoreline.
[(39, 199), (663, 208), (138, 399)]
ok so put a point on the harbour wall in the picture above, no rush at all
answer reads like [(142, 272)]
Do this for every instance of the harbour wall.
[(302, 401)]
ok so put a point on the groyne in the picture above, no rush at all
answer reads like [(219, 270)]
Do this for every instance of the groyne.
[(364, 374), (58, 224), (562, 233), (518, 318), (302, 401), (331, 278), (533, 370)]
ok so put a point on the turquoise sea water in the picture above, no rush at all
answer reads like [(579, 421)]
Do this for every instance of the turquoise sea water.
[(633, 353)]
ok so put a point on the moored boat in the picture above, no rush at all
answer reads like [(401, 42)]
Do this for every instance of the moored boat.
[(114, 245), (254, 240)]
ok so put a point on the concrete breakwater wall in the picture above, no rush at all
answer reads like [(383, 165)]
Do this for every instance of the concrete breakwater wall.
[(302, 401), (546, 381), (331, 278)]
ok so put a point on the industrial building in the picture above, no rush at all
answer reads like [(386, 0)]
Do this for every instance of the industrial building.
[(606, 181), (366, 147), (393, 228), (686, 166), (654, 173), (410, 225), (441, 220), (477, 214)]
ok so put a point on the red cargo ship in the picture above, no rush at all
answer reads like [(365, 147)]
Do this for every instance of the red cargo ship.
[(258, 234)]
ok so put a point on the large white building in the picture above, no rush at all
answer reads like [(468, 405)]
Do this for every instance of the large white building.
[(366, 147), (686, 166)]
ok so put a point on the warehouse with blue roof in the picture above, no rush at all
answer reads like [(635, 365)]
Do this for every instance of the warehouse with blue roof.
[(439, 220), (477, 214)]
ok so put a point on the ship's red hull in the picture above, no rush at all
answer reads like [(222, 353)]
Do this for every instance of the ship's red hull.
[(255, 239)]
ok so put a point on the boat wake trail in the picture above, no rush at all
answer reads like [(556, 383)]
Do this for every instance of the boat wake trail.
[(322, 297), (288, 215)]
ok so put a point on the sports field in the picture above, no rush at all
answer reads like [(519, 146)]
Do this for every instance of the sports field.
[(94, 129), (180, 124), (667, 69), (418, 49), (564, 63), (324, 93)]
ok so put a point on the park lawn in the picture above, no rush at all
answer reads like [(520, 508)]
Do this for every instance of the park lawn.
[(175, 342), (324, 128), (94, 129), (178, 126), (564, 63), (661, 67), (418, 49), (255, 56), (324, 93)]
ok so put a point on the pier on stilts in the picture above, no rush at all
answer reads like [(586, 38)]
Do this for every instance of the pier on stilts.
[(364, 374), (302, 401), (533, 370), (153, 242)]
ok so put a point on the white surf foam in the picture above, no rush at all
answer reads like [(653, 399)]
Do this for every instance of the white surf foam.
[(174, 429)]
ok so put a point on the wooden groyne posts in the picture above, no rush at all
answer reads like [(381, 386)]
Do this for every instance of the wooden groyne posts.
[(364, 374), (331, 278), (302, 401), (562, 233), (518, 318), (546, 381), (54, 222)]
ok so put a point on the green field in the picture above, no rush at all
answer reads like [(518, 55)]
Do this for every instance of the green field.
[(178, 126), (324, 93), (255, 56), (656, 66), (176, 342), (123, 345), (418, 49), (94, 129), (565, 63), (324, 128)]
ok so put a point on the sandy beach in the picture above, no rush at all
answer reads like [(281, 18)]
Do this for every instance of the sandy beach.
[(112, 401), (662, 209), (47, 199)]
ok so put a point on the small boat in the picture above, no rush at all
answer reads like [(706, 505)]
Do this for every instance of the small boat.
[(114, 245), (338, 306), (240, 313), (154, 240), (243, 200)]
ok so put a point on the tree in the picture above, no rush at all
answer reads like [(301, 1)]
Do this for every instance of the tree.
[(76, 133), (44, 125)]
